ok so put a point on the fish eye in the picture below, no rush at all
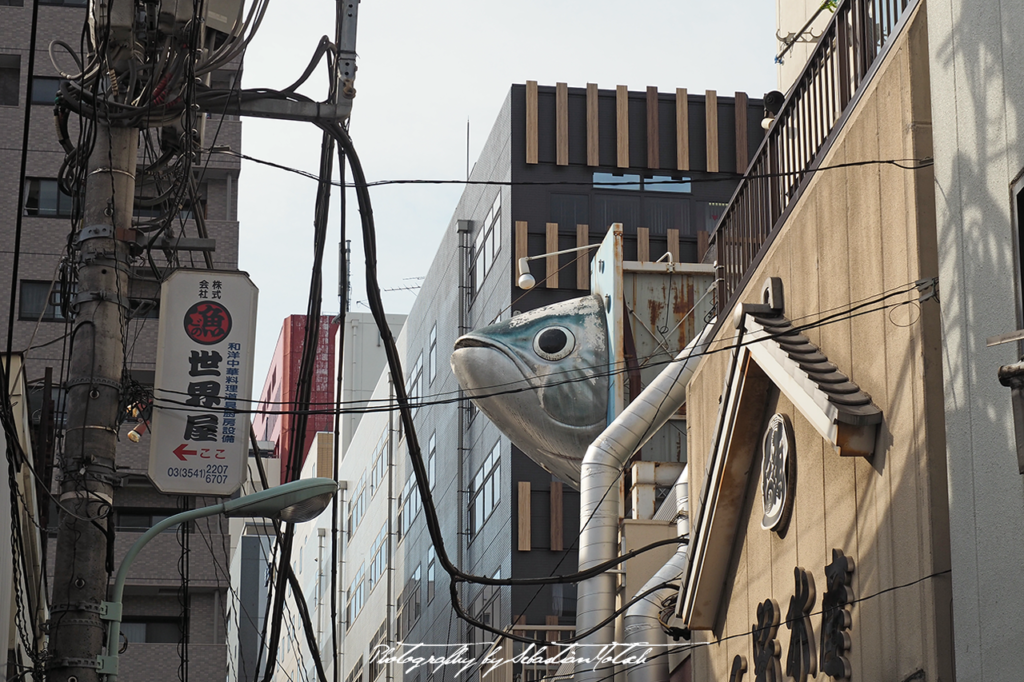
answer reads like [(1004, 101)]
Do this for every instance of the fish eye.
[(554, 343)]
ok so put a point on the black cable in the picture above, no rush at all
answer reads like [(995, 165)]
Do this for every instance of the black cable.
[(304, 383), (905, 164), (521, 386)]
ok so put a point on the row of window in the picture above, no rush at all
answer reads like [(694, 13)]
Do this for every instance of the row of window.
[(485, 490), (379, 558), (41, 301), (486, 244), (409, 605), (44, 198), (44, 88), (376, 660)]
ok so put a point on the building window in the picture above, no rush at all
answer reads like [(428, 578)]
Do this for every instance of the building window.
[(65, 3), (409, 505), (431, 569), (431, 460), (10, 79), (377, 645), (432, 355), (485, 491), (151, 630), (140, 520), (487, 244), (44, 198), (380, 463), (486, 608), (12, 3), (40, 301), (409, 605), (357, 506), (379, 560), (414, 387), (44, 89), (355, 597), (356, 674)]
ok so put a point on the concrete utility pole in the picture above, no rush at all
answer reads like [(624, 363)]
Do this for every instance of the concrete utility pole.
[(78, 624)]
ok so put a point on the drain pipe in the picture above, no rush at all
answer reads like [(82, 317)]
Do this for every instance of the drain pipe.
[(599, 498), (642, 623)]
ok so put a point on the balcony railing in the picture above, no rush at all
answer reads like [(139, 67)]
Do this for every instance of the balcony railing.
[(855, 41)]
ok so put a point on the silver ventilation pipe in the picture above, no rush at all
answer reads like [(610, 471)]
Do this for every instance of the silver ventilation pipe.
[(599, 499), (642, 624)]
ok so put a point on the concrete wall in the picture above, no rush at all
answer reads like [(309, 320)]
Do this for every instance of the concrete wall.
[(977, 102), (854, 234)]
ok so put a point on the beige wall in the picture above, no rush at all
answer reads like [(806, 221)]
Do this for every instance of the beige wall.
[(855, 233)]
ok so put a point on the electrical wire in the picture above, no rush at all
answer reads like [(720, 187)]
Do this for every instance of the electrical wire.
[(524, 385), (904, 164)]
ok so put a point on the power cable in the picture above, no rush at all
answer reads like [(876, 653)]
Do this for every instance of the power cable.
[(524, 385)]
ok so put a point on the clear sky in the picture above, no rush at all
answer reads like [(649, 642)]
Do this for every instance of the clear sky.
[(425, 68)]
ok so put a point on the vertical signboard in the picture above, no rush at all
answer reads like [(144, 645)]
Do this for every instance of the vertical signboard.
[(200, 436)]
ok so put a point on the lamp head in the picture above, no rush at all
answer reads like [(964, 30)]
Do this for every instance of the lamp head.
[(773, 102), (526, 280), (293, 502)]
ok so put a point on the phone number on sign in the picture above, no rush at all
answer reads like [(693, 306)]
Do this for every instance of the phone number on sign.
[(212, 473)]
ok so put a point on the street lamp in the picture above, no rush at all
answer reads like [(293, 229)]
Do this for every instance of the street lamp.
[(293, 502)]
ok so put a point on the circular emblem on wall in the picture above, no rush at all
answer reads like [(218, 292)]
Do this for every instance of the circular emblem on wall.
[(207, 322), (778, 473)]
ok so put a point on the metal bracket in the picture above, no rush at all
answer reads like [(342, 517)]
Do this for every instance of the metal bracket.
[(94, 232), (109, 296), (110, 610), (93, 663), (79, 606), (107, 665), (94, 380), (929, 288)]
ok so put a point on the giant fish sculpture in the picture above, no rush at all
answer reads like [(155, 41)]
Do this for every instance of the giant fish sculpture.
[(542, 378)]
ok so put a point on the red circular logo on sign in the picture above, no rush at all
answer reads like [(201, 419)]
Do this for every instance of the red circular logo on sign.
[(207, 322)]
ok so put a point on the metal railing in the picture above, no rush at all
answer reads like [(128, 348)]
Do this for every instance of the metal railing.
[(841, 65)]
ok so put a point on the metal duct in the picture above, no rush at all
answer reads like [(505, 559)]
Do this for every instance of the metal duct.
[(641, 623), (599, 500)]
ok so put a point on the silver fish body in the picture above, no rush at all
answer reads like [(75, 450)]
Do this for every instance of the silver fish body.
[(542, 378)]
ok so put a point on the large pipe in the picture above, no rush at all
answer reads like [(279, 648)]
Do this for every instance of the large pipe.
[(642, 623), (599, 499)]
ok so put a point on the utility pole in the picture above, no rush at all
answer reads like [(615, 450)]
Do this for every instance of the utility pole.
[(94, 381)]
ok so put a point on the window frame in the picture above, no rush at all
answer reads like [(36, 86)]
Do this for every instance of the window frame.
[(432, 355), (10, 65), (51, 312), (64, 207), (485, 489), (485, 247)]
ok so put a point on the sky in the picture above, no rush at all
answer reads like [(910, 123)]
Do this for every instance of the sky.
[(424, 70)]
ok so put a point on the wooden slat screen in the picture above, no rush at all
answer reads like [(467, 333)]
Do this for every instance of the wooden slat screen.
[(621, 126), (562, 124), (682, 130), (531, 122), (525, 539), (711, 118)]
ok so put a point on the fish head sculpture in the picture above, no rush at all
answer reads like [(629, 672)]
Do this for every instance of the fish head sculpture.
[(542, 378)]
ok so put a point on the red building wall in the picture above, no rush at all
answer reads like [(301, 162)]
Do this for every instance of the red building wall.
[(279, 390)]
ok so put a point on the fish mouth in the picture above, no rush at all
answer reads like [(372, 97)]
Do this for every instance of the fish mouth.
[(479, 372)]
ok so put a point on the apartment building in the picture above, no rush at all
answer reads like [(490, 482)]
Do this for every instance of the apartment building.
[(157, 604)]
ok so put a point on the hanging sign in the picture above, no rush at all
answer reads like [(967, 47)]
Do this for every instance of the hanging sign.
[(204, 357)]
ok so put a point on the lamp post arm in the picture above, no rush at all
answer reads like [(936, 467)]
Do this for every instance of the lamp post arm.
[(114, 624)]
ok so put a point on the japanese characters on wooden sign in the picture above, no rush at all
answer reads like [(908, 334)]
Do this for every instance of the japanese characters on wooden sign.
[(200, 442), (801, 662)]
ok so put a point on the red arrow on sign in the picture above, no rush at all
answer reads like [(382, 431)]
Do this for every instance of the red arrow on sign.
[(180, 451)]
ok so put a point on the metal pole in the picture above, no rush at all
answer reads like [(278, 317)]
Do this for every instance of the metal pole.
[(94, 393)]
